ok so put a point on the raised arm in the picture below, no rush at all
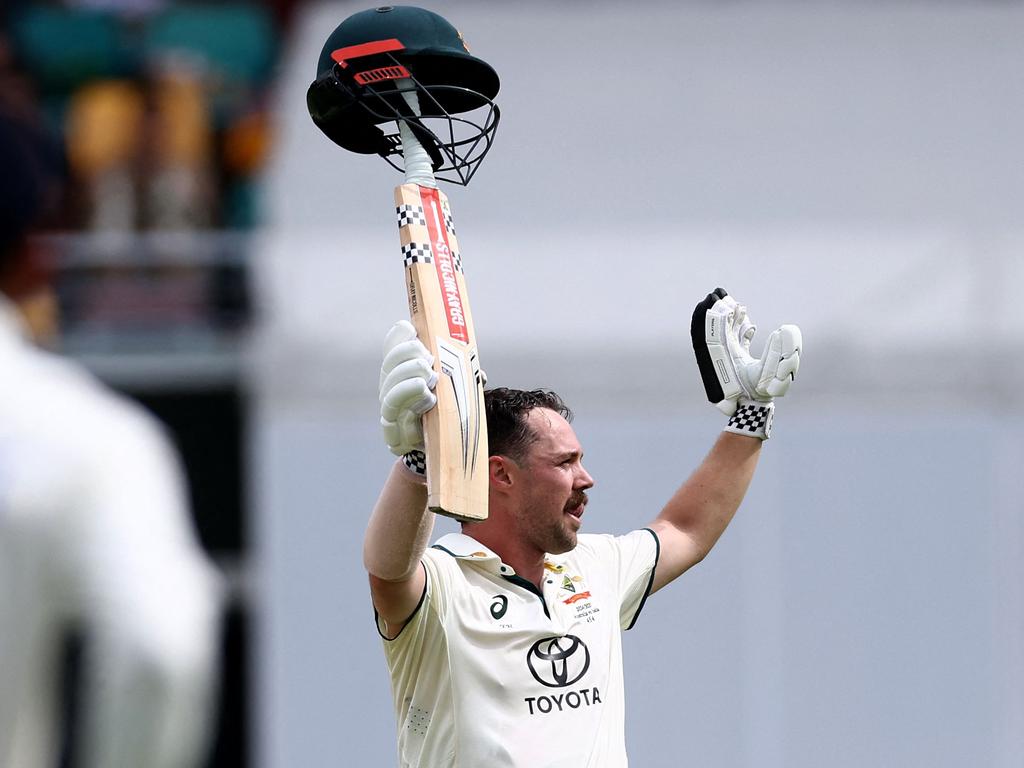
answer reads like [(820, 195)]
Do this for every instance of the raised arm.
[(698, 513), (396, 538), (400, 525), (744, 389)]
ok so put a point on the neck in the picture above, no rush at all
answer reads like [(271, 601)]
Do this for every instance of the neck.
[(25, 284), (525, 560), (36, 315)]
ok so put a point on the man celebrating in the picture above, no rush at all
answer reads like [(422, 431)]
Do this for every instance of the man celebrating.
[(504, 641)]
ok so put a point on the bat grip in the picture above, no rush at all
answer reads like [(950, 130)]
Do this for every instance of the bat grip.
[(418, 168)]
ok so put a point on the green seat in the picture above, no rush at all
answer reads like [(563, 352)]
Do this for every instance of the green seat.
[(61, 48), (234, 41)]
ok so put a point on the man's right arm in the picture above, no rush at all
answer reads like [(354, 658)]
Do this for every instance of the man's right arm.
[(396, 538), (400, 526)]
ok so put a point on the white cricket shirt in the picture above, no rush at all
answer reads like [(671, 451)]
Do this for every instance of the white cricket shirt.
[(489, 672), (95, 534)]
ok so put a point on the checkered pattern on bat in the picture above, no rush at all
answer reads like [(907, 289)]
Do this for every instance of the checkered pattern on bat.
[(416, 461), (410, 214), (449, 225), (416, 253), (751, 418), (449, 222)]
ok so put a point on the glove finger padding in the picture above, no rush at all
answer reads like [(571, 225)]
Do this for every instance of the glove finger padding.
[(401, 331), (745, 328), (403, 352), (406, 380), (417, 369), (405, 434), (393, 436), (779, 363), (409, 395)]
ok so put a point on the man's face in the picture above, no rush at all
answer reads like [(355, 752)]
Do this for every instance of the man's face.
[(554, 484)]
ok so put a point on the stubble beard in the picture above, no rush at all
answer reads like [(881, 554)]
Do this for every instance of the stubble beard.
[(552, 535), (562, 539)]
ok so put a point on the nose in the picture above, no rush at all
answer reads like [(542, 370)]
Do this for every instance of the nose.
[(583, 479)]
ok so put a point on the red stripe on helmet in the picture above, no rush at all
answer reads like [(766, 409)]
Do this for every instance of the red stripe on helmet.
[(342, 55)]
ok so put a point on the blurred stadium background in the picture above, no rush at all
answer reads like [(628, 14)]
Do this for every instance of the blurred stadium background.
[(854, 167)]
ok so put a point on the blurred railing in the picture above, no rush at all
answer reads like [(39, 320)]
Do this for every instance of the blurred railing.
[(155, 310)]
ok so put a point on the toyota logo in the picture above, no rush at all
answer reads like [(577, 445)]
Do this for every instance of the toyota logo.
[(558, 661)]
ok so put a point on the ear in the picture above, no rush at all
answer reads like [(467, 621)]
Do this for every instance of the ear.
[(501, 472)]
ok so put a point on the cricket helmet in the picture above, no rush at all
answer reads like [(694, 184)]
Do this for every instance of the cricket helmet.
[(372, 56)]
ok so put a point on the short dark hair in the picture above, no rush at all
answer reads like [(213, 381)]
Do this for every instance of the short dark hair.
[(32, 166), (508, 434)]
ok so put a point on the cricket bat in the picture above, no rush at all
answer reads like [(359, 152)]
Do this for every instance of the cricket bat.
[(455, 431)]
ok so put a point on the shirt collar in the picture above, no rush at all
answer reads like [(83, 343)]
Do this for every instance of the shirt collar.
[(466, 548)]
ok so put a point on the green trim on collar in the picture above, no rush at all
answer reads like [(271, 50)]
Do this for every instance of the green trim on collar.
[(469, 550)]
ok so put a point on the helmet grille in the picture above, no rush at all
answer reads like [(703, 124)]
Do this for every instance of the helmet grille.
[(380, 74)]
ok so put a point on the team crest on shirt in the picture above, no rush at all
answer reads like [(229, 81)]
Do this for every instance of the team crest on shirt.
[(575, 593), (572, 584)]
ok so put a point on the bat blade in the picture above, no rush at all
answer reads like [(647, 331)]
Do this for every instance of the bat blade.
[(455, 432)]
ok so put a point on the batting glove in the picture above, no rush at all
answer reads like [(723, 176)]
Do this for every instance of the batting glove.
[(741, 386), (407, 378)]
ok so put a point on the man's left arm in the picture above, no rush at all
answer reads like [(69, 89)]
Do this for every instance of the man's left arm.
[(743, 388), (698, 513)]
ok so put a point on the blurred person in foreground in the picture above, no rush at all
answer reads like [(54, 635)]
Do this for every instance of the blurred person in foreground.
[(504, 641), (95, 535)]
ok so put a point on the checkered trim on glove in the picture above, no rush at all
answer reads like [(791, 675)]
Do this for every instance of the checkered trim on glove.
[(753, 419), (416, 462)]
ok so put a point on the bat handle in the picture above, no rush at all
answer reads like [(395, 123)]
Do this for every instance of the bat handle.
[(418, 168)]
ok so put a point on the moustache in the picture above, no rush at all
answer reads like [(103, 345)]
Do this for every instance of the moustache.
[(577, 499)]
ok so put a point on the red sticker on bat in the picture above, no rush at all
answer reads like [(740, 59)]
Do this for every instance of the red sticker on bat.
[(443, 264)]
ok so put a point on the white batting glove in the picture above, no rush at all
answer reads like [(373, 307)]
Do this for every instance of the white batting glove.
[(407, 378), (741, 386)]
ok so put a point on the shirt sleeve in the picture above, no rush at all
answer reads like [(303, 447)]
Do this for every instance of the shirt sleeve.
[(417, 657), (441, 571), (638, 557), (628, 562)]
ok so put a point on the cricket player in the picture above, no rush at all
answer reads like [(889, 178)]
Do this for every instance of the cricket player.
[(94, 535), (504, 641)]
